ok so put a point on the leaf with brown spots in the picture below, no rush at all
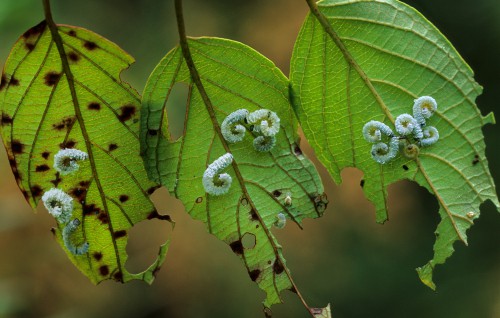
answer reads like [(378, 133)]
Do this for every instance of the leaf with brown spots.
[(234, 76), (55, 82)]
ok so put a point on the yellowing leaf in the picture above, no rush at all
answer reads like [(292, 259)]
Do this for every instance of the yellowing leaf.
[(369, 60), (61, 89)]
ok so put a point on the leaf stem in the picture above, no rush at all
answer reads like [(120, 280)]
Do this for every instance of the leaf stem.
[(56, 37), (347, 55), (210, 108)]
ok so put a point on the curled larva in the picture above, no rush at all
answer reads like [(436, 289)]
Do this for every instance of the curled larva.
[(373, 131), (431, 136), (264, 143), (231, 127), (265, 122), (423, 108), (59, 204), (67, 233), (65, 160), (383, 153), (406, 125), (280, 220), (213, 181)]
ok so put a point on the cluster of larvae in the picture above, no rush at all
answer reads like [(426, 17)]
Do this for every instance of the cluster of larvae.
[(264, 125), (411, 132), (60, 205)]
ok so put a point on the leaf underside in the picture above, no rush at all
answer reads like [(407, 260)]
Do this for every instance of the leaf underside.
[(235, 77), (53, 99), (379, 56)]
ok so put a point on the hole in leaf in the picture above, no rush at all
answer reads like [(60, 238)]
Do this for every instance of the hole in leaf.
[(176, 109), (144, 240), (248, 240)]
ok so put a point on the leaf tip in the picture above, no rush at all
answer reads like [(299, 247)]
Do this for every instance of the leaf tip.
[(425, 274), (322, 312), (489, 119)]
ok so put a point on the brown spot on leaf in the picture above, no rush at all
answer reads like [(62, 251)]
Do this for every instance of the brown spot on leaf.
[(155, 215), (51, 78), (36, 191), (254, 275), (35, 31), (103, 217), (72, 33), (67, 144), (79, 193), (199, 200), (152, 132), (237, 247), (73, 56), (3, 82), (126, 112), (85, 184), (119, 234), (66, 122), (278, 267), (89, 209), (123, 198), (42, 168), (45, 155), (5, 119), (89, 45), (25, 194), (94, 106), (152, 189), (276, 193), (57, 180), (97, 256), (17, 147), (112, 147), (362, 183), (405, 168), (320, 202), (253, 215), (29, 46), (13, 81), (475, 161), (118, 276), (104, 270)]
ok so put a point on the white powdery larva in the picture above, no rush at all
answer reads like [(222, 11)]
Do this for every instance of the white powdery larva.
[(280, 220), (65, 160), (264, 143), (431, 136), (59, 204), (265, 122), (231, 127), (213, 181), (373, 131), (423, 108), (67, 232), (383, 153), (406, 125)]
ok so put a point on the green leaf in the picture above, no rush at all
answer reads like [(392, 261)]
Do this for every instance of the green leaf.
[(235, 77), (368, 61), (61, 89)]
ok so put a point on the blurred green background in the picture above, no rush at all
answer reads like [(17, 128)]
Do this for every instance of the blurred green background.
[(361, 268)]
